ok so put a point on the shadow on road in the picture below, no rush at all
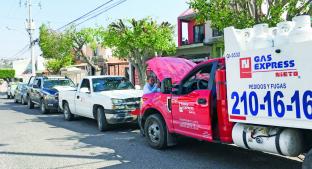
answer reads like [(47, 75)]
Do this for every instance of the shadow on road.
[(129, 146)]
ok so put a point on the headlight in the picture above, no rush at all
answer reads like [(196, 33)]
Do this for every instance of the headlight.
[(118, 104), (118, 101), (51, 97), (121, 107)]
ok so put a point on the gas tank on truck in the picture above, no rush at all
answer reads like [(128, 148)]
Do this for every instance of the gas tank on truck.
[(274, 78), (269, 95)]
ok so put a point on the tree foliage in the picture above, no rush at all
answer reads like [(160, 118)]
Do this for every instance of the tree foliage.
[(60, 48), (139, 40), (246, 13), (91, 37), (56, 47), (7, 73)]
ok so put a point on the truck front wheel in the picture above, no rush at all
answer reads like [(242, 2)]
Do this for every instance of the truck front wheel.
[(101, 119), (307, 163), (68, 116), (43, 107), (156, 131), (30, 104)]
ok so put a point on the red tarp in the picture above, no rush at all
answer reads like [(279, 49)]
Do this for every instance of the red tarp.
[(175, 68)]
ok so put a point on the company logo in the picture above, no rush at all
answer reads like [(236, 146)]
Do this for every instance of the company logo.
[(245, 67), (267, 64)]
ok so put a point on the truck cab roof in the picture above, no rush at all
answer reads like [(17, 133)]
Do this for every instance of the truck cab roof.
[(101, 76)]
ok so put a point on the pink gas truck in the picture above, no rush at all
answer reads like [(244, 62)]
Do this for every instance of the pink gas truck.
[(258, 96)]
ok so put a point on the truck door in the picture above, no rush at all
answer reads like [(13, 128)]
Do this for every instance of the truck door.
[(191, 105), (83, 100)]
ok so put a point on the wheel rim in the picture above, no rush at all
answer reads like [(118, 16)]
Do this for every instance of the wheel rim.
[(28, 102), (66, 112), (22, 100), (42, 107), (154, 132), (99, 118)]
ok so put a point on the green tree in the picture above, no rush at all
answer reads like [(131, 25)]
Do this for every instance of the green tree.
[(246, 13), (56, 47), (61, 47), (7, 74), (139, 40), (91, 37)]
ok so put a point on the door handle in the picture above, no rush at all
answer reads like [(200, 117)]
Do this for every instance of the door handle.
[(201, 101), (78, 97)]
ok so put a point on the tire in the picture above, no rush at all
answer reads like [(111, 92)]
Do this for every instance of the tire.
[(23, 100), (30, 104), (68, 116), (8, 96), (156, 131), (43, 108), (15, 99), (307, 163), (101, 119)]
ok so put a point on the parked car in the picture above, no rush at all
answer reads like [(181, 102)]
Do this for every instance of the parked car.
[(43, 91), (108, 99), (11, 90), (20, 93)]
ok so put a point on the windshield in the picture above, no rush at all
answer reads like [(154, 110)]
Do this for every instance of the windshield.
[(50, 83), (111, 83)]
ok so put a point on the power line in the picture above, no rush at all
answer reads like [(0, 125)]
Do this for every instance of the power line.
[(85, 15), (21, 51), (104, 10)]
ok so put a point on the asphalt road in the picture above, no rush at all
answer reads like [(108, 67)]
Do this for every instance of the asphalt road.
[(31, 140)]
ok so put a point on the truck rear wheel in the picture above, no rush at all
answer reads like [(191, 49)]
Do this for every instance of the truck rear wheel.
[(23, 100), (156, 131), (307, 163), (30, 104), (68, 116), (43, 107), (101, 119), (15, 99)]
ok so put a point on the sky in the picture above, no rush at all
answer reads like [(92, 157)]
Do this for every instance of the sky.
[(57, 13)]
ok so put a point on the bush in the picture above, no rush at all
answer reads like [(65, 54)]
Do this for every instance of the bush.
[(7, 73)]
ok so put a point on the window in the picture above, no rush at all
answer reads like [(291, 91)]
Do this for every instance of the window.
[(50, 83), (111, 83), (31, 81), (85, 84), (199, 33), (197, 80), (37, 82), (216, 33)]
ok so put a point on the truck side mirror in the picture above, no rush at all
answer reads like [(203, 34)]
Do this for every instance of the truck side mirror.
[(84, 90), (166, 86)]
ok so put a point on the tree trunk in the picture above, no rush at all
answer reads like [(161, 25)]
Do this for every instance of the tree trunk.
[(94, 67), (140, 66), (141, 73)]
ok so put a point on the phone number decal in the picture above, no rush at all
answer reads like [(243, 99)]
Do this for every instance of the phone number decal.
[(274, 103)]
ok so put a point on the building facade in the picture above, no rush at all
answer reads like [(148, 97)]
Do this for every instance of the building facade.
[(197, 41)]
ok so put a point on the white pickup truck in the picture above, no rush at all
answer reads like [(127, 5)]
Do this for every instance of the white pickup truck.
[(108, 99)]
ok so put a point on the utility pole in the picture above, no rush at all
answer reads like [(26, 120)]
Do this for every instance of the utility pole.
[(30, 27)]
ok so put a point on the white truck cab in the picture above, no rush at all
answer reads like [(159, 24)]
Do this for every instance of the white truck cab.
[(108, 99)]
